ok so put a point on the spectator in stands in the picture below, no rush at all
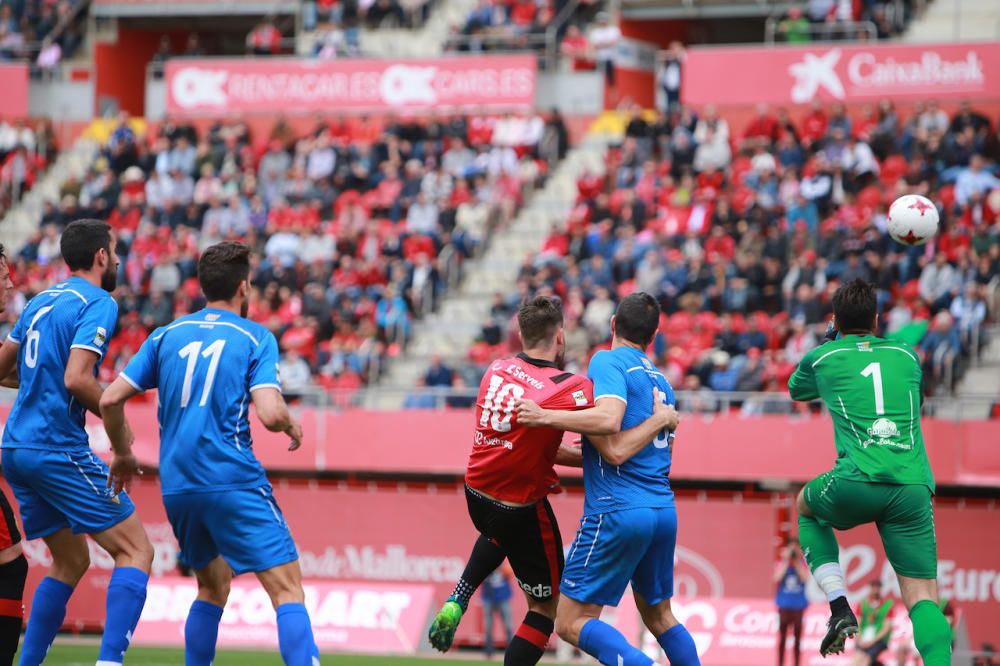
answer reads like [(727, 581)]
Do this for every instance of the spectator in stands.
[(295, 374), (496, 594), (576, 48), (975, 181), (192, 47), (438, 374), (795, 28), (969, 312), (604, 39), (670, 77), (264, 39), (939, 283), (163, 52), (941, 349)]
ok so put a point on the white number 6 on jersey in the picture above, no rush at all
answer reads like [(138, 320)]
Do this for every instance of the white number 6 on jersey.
[(33, 337)]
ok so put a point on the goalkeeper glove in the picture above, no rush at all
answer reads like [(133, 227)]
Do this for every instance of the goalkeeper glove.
[(831, 333)]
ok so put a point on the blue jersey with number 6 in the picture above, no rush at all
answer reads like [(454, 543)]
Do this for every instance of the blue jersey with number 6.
[(70, 315), (205, 366), (626, 374)]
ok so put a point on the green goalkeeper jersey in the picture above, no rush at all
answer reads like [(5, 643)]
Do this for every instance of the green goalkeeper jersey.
[(873, 390)]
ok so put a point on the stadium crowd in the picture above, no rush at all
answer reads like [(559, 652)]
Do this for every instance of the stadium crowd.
[(359, 225), (26, 149), (743, 239), (839, 19), (28, 28)]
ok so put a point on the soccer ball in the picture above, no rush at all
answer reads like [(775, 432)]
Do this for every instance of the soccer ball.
[(913, 219)]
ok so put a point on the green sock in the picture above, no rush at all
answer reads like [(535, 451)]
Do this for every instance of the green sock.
[(819, 545), (931, 633)]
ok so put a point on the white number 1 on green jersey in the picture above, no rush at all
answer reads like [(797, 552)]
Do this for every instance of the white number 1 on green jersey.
[(874, 370)]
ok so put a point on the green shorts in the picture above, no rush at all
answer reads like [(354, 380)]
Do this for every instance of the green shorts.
[(903, 514)]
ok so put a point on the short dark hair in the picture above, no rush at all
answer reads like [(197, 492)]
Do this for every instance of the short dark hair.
[(539, 319), (222, 268), (637, 318), (855, 306), (81, 239)]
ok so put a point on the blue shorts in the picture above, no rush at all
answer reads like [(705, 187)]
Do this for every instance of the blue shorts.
[(60, 489), (245, 526), (611, 549)]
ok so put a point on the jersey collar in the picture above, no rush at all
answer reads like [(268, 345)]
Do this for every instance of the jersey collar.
[(540, 362)]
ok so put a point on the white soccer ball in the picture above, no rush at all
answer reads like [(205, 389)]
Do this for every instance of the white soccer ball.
[(913, 219)]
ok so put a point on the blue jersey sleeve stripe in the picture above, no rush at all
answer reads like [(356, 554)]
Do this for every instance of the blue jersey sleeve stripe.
[(609, 395), (88, 348), (260, 386), (13, 339), (132, 382)]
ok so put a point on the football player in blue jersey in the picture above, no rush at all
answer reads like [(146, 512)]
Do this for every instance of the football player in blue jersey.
[(61, 486), (208, 366), (629, 527)]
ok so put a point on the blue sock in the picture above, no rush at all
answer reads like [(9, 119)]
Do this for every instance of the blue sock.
[(295, 636), (126, 597), (679, 646), (605, 644), (201, 632), (48, 610)]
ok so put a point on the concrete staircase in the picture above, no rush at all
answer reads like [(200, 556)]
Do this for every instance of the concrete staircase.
[(452, 329), (956, 20), (21, 221), (980, 386)]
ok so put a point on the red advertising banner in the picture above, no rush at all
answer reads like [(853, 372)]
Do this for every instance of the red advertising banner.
[(404, 538), (744, 632), (360, 617), (14, 83), (856, 73), (290, 85), (709, 447)]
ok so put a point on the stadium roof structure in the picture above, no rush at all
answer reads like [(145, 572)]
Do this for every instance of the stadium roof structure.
[(674, 9), (146, 8)]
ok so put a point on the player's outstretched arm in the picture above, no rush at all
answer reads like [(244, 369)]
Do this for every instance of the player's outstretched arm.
[(80, 380), (619, 448), (274, 415), (604, 418)]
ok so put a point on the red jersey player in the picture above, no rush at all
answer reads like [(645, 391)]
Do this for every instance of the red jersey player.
[(13, 565), (510, 475)]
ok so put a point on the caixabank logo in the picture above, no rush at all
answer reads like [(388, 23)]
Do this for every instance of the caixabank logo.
[(842, 75)]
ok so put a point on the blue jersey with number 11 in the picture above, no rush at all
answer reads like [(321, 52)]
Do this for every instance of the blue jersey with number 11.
[(205, 366), (625, 374)]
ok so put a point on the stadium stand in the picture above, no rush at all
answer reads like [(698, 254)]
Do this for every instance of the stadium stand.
[(743, 236), (362, 224), (26, 149)]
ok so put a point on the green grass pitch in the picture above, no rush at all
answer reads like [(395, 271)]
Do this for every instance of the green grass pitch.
[(85, 654)]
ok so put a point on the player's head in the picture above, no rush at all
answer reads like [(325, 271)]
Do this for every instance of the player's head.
[(224, 272), (855, 308), (636, 320), (6, 284), (88, 246), (541, 323)]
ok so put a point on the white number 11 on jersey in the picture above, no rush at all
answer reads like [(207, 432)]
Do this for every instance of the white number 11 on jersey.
[(190, 352), (874, 370)]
